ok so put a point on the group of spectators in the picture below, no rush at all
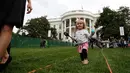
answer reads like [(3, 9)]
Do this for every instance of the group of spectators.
[(119, 43)]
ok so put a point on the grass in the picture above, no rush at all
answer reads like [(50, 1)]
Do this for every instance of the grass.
[(67, 60)]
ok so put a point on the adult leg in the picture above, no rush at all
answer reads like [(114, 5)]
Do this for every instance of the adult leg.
[(5, 39), (8, 49), (92, 44), (98, 43)]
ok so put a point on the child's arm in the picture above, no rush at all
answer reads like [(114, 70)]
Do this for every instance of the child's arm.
[(87, 34), (73, 39), (66, 34)]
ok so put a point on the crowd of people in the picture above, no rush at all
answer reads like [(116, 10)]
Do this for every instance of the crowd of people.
[(119, 43)]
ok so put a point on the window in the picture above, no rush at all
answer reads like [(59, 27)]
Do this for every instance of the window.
[(67, 23), (60, 36), (87, 22), (54, 26), (73, 21)]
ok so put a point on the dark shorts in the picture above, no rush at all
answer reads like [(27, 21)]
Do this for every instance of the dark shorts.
[(12, 12)]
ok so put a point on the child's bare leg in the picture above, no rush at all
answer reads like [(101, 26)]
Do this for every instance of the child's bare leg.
[(8, 49)]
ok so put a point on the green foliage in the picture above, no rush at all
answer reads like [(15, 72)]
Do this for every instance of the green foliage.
[(112, 20), (54, 33), (36, 28)]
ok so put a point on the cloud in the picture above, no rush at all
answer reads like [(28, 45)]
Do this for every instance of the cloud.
[(51, 8), (55, 8), (94, 5)]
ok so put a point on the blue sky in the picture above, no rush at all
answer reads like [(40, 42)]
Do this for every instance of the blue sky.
[(55, 8)]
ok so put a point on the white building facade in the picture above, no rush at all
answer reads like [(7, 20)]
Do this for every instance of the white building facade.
[(66, 23)]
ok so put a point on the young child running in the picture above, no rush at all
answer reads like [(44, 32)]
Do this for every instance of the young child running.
[(81, 37)]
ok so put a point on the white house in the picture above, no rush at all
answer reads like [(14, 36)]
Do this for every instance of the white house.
[(66, 22)]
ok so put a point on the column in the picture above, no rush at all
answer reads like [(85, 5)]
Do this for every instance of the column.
[(85, 20), (65, 26), (77, 18), (90, 25), (94, 21), (86, 23), (70, 28)]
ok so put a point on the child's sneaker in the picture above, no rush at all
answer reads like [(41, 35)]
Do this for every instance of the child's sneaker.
[(85, 61)]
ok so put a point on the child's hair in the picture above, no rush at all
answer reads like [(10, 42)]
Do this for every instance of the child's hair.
[(82, 21)]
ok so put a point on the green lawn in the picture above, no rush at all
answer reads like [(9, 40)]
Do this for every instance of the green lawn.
[(67, 60)]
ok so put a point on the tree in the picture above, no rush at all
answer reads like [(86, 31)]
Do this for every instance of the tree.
[(125, 18), (112, 20), (37, 28), (54, 33), (106, 19)]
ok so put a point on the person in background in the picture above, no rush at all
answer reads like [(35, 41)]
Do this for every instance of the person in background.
[(94, 39), (125, 43), (122, 42), (44, 43)]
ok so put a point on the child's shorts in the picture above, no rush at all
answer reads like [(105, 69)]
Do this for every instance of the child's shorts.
[(83, 46)]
